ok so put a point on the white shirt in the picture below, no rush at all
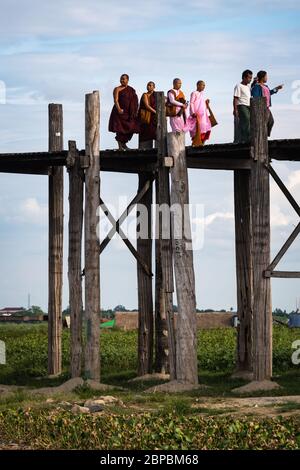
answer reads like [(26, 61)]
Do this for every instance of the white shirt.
[(243, 93)]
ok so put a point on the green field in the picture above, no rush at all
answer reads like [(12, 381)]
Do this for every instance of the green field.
[(26, 347), (190, 420)]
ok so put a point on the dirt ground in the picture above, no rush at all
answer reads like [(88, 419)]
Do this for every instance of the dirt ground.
[(256, 406)]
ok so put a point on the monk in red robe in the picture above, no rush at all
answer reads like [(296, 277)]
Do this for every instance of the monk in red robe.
[(123, 119)]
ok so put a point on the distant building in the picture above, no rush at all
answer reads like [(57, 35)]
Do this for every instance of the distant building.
[(8, 311), (18, 315), (129, 320)]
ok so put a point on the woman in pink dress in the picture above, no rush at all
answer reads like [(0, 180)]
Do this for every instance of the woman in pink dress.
[(199, 122)]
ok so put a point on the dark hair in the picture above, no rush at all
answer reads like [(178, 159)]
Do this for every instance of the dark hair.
[(176, 80), (261, 74), (151, 82), (254, 82), (246, 73), (200, 81), (125, 75)]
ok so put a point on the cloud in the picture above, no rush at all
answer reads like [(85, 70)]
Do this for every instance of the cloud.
[(27, 211), (294, 180), (74, 17), (211, 218)]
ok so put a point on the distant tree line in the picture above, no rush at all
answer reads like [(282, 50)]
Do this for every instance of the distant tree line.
[(109, 313)]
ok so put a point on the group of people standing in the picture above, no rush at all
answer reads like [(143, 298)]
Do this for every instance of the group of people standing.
[(130, 117), (241, 103)]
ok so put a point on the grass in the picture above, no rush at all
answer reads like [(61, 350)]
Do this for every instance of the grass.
[(289, 406)]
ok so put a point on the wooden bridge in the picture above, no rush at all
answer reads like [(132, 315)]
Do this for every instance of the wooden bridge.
[(175, 351), (210, 157)]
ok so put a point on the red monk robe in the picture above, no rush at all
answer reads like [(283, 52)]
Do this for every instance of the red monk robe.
[(125, 124)]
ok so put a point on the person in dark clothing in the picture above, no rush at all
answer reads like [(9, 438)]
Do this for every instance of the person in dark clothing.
[(261, 89)]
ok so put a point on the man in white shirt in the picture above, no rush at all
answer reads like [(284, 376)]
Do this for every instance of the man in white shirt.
[(176, 108), (241, 108)]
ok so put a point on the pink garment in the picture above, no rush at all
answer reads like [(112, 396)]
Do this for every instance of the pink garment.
[(177, 122), (198, 107), (266, 94)]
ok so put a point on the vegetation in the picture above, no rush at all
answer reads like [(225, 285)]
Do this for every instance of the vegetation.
[(183, 421), (26, 351), (63, 430)]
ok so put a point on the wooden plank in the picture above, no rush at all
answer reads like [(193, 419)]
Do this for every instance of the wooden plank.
[(212, 163), (186, 326), (285, 274), (76, 177), (260, 210), (217, 156), (118, 230), (137, 256), (56, 228), (144, 281), (21, 170), (285, 149), (223, 151), (117, 223), (284, 189), (244, 269), (92, 258), (284, 248)]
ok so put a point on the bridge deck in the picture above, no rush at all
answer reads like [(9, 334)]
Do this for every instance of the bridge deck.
[(214, 157)]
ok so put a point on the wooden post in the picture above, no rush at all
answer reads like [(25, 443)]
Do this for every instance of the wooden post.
[(145, 294), (76, 177), (56, 228), (244, 269), (260, 211), (165, 361), (92, 258), (145, 300), (186, 324)]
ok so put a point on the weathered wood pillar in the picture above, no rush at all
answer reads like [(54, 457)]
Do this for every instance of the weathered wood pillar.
[(164, 317), (76, 178), (260, 212), (145, 298), (186, 323), (91, 249), (56, 228), (244, 270)]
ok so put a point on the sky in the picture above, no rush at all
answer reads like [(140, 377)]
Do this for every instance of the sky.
[(57, 51)]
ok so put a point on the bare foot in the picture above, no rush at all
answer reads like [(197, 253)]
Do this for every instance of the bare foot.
[(121, 146)]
